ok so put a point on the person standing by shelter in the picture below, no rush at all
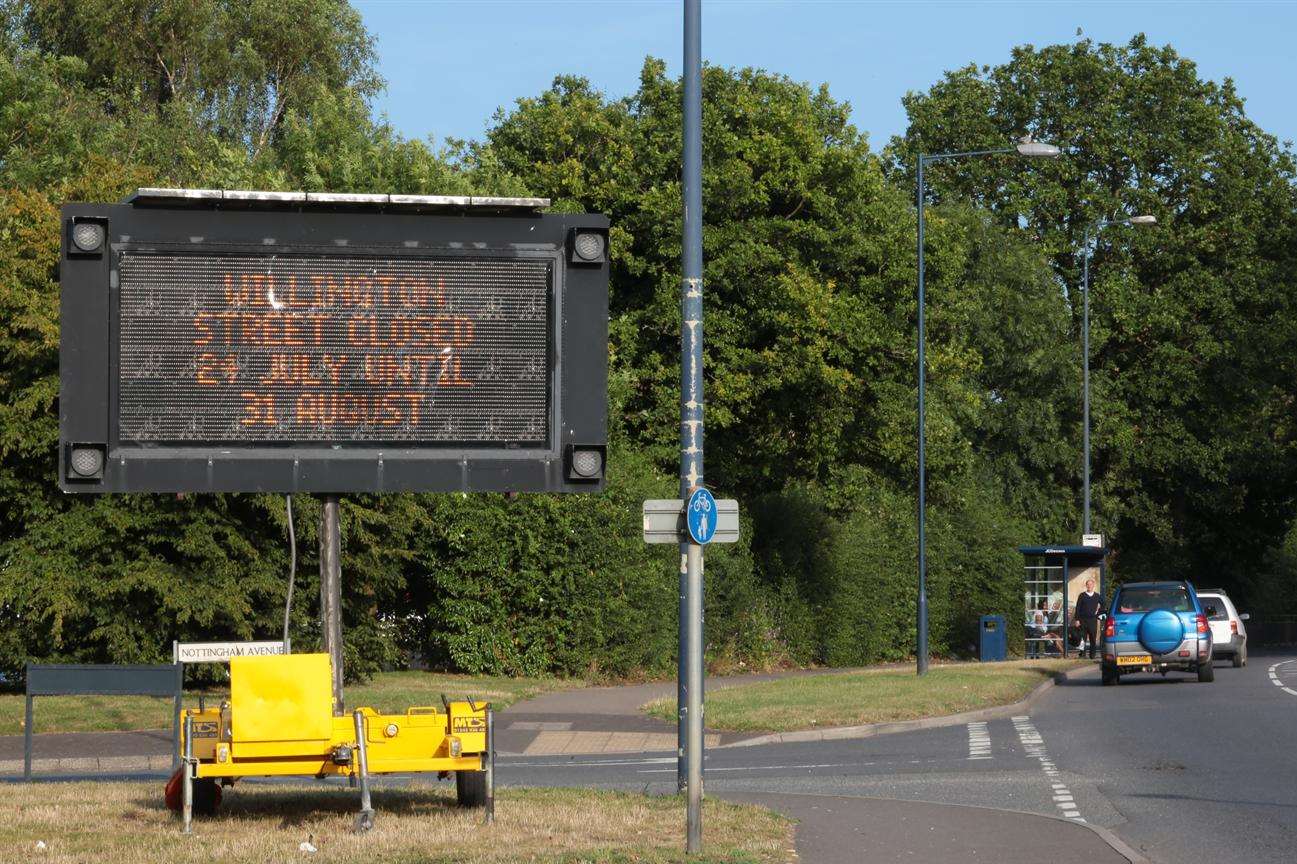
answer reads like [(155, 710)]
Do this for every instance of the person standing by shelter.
[(1089, 606)]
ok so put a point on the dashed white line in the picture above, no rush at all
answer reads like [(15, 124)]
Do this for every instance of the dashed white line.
[(1274, 677), (1035, 747), (979, 741)]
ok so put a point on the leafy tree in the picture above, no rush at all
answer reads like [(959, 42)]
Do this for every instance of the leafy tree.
[(1193, 328), (241, 65), (811, 354), (810, 322), (809, 269), (120, 577)]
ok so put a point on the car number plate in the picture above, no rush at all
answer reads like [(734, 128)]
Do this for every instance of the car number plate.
[(1134, 660)]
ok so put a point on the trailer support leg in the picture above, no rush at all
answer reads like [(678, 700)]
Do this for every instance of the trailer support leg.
[(187, 778), (364, 819)]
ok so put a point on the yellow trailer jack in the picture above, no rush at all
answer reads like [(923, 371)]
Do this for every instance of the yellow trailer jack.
[(279, 722)]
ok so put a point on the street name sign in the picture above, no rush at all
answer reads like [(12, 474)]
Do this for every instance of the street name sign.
[(221, 652), (233, 341), (664, 521)]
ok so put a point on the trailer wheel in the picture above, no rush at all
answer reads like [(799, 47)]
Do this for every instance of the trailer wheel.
[(207, 796), (470, 788)]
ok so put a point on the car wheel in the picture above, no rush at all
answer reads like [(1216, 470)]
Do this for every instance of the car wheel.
[(1108, 675), (1244, 651), (1206, 672), (1237, 659)]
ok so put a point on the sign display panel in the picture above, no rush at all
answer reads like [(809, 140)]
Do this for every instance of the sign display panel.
[(236, 348), (235, 341)]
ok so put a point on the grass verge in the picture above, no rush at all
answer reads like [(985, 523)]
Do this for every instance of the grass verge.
[(386, 691), (126, 823), (868, 696)]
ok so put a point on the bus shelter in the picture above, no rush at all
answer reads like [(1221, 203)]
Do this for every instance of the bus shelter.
[(1053, 577)]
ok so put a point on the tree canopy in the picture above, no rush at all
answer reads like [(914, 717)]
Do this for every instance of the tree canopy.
[(810, 269), (1193, 332)]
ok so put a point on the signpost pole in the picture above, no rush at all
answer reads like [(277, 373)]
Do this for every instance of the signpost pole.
[(691, 415), (331, 593)]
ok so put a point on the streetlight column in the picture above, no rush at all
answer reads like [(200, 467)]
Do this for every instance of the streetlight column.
[(1092, 231), (1026, 148), (1085, 383), (921, 649)]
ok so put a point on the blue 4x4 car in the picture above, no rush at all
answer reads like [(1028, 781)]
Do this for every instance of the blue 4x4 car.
[(1156, 627)]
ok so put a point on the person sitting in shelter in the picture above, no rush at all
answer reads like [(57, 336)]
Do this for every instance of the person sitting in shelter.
[(1038, 631)]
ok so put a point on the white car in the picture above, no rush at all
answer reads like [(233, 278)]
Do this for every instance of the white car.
[(1228, 635)]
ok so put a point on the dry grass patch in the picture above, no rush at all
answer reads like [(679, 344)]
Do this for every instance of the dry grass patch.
[(387, 691), (869, 696), (125, 823)]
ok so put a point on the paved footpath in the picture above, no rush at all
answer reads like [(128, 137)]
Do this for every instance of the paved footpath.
[(607, 719)]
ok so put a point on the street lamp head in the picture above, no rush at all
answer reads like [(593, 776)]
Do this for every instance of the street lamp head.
[(1033, 149), (1142, 220)]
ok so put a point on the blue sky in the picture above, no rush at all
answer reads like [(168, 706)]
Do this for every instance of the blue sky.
[(450, 64)]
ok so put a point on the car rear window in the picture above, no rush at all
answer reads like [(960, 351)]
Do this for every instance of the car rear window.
[(1214, 607), (1173, 598)]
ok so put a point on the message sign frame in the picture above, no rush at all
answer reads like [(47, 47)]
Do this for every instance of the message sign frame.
[(386, 230)]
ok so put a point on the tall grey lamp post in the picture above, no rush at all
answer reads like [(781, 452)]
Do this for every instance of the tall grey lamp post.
[(1026, 148), (1093, 231)]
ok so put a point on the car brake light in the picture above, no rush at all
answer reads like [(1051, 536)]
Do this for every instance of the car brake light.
[(1110, 629), (1202, 623), (1233, 626)]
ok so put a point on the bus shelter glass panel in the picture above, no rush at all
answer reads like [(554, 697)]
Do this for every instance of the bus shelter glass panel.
[(1043, 610)]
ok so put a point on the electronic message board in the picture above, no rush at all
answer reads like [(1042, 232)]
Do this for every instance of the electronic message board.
[(225, 341)]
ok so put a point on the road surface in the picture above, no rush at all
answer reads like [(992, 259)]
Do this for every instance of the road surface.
[(1178, 770)]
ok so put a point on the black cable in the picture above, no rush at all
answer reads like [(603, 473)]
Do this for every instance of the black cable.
[(292, 566)]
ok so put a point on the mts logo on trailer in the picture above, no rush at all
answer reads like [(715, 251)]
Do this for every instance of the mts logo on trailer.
[(468, 724)]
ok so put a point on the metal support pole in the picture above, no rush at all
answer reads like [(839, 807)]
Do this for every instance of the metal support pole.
[(331, 594), (1085, 386), (177, 709), (187, 778), (365, 818), (489, 759), (921, 648), (27, 741), (682, 660), (691, 411), (695, 705)]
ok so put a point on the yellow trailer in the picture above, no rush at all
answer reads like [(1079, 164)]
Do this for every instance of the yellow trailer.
[(279, 722)]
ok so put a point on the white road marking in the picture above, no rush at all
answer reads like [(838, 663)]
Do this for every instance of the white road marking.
[(1274, 677), (1034, 744), (585, 763), (710, 770), (979, 741)]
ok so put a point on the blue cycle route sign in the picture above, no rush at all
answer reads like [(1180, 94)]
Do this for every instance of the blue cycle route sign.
[(700, 515)]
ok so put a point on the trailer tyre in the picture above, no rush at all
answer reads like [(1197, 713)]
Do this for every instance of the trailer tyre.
[(470, 788), (207, 796)]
